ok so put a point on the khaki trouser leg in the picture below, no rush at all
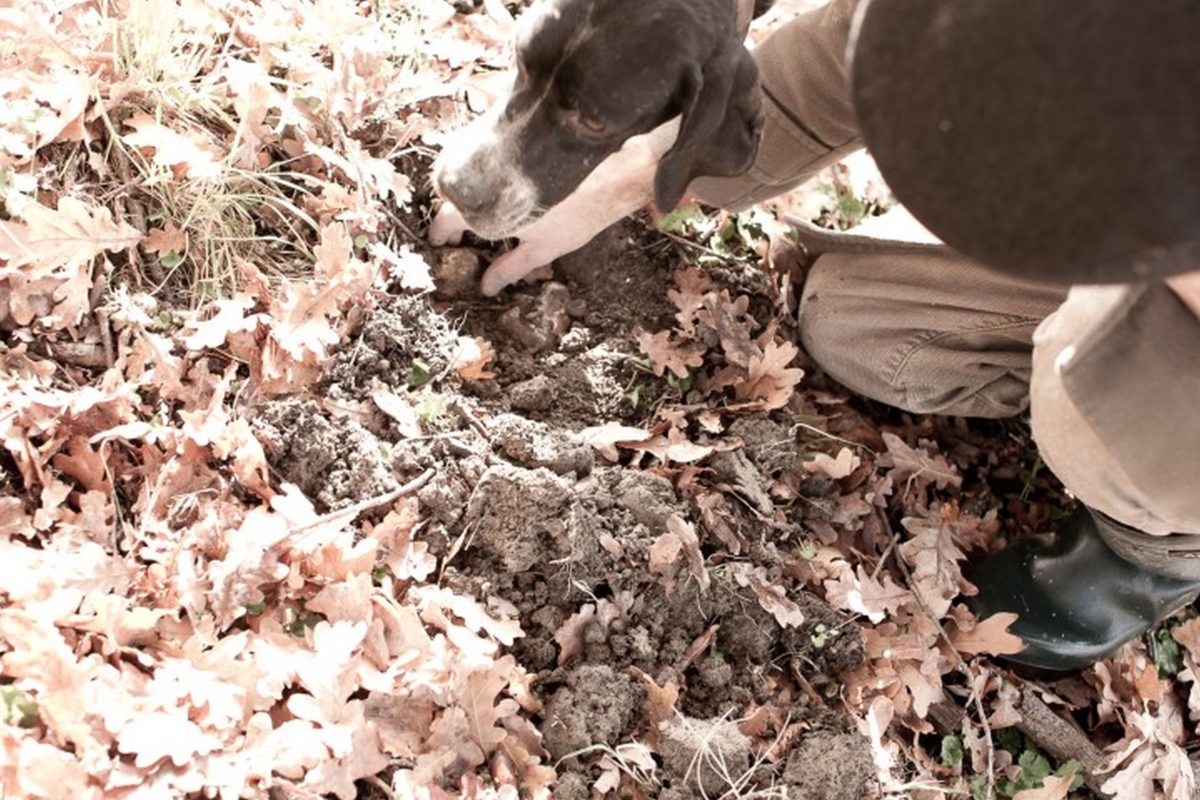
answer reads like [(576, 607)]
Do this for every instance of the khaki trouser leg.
[(1116, 406), (926, 330)]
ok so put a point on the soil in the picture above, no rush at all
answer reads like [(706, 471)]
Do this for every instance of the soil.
[(523, 510)]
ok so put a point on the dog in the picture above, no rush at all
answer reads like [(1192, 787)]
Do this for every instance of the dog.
[(615, 103)]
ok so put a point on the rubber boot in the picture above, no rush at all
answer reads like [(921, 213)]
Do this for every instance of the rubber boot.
[(1077, 601)]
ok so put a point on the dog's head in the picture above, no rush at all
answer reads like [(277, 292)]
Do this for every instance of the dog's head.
[(590, 75)]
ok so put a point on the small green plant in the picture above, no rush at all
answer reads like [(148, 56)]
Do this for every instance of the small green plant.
[(419, 373), (433, 411), (683, 220), (304, 620), (820, 636), (1035, 767), (1165, 650), (18, 707), (952, 751)]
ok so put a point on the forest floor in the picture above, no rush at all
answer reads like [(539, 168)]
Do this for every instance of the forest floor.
[(288, 509)]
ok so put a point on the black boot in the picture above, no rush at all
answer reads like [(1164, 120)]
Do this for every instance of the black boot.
[(1077, 600)]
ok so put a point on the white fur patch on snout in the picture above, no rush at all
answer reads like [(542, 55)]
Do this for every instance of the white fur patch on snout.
[(481, 160)]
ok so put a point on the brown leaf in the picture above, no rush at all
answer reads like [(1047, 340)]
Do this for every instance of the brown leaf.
[(934, 556), (167, 239), (473, 357), (772, 598), (770, 380), (989, 636), (729, 320), (607, 437), (484, 708), (855, 590), (690, 297), (660, 700), (917, 465), (836, 468), (60, 244), (158, 735), (199, 158), (686, 534), (666, 354), (664, 551)]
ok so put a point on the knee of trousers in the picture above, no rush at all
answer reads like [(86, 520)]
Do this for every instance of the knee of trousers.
[(891, 328)]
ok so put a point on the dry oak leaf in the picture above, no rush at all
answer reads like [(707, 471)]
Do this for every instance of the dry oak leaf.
[(363, 759), (479, 697), (874, 598), (230, 319), (686, 534), (728, 319), (570, 635), (667, 355), (410, 269), (988, 636), (668, 443), (770, 380), (302, 312), (772, 598), (471, 358), (836, 468), (60, 243), (918, 465), (1151, 761), (694, 286), (36, 770), (608, 437), (934, 555), (665, 551), (660, 700), (156, 735), (1188, 635), (168, 239)]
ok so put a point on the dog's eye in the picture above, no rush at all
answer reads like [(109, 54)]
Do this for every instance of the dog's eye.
[(592, 123)]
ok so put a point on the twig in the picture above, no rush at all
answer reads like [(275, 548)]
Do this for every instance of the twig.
[(350, 512), (976, 700), (1060, 738), (804, 683), (378, 783), (679, 240), (468, 416)]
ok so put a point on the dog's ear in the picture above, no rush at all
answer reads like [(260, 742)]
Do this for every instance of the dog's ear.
[(721, 126)]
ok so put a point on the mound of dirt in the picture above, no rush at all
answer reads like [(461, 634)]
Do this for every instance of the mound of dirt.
[(336, 462), (828, 765), (596, 706), (397, 334), (712, 756)]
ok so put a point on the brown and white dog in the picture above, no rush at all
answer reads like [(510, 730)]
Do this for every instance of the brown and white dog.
[(615, 103)]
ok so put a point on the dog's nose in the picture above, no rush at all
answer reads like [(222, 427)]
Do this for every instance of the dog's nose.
[(470, 194)]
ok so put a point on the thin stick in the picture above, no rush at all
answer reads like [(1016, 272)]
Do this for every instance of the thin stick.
[(1060, 738), (350, 512)]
